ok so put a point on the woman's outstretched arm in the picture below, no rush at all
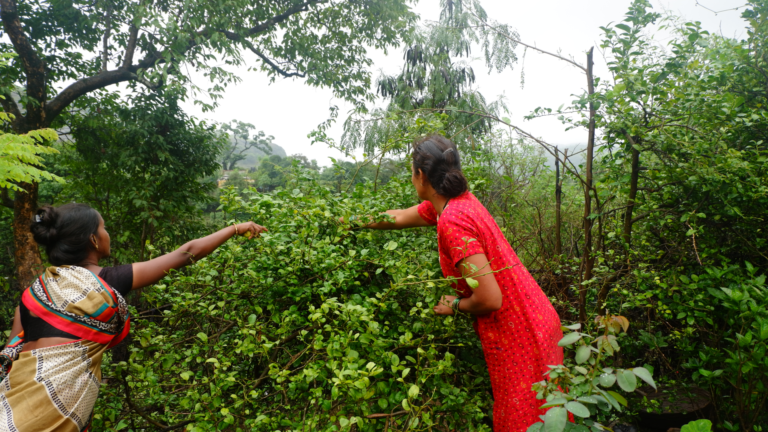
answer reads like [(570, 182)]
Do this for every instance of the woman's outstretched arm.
[(407, 218), (148, 272)]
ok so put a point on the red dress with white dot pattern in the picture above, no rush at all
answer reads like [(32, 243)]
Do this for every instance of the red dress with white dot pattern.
[(520, 339)]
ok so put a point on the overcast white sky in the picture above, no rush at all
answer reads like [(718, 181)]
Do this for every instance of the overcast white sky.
[(288, 109)]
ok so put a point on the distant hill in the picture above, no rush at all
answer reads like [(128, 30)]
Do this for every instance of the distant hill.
[(254, 155)]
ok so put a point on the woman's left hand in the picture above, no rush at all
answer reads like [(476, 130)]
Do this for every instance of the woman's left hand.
[(443, 307)]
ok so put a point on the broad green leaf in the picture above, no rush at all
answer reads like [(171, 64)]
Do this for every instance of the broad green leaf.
[(577, 409), (413, 392), (644, 375), (203, 336), (627, 380), (702, 425), (583, 353), (472, 283), (536, 427), (555, 420), (606, 380), (569, 339)]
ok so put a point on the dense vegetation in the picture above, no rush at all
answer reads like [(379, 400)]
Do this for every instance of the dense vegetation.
[(652, 237)]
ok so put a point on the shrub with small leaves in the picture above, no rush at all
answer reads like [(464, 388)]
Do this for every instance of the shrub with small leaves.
[(587, 387)]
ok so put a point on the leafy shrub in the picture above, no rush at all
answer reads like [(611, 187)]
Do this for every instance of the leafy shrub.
[(314, 326), (583, 389)]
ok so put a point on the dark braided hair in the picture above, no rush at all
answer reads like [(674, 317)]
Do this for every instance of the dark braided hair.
[(438, 158), (65, 232)]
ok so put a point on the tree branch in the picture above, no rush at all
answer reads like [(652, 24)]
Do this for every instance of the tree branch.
[(282, 17), (34, 67), (131, 47), (105, 40), (275, 67)]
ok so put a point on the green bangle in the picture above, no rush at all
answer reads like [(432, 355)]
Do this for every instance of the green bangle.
[(455, 304)]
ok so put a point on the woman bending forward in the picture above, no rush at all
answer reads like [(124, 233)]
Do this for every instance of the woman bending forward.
[(518, 327), (51, 366)]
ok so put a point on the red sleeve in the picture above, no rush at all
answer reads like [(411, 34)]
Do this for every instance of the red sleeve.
[(427, 212), (458, 234)]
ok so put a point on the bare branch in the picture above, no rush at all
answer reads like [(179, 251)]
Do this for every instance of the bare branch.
[(518, 41)]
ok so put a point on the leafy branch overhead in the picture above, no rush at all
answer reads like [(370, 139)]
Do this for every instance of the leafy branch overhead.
[(157, 43)]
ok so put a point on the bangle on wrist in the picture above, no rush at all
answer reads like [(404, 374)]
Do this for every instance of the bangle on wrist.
[(455, 304), (235, 225)]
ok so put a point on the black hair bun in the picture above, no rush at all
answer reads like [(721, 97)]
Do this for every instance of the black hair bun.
[(44, 225), (454, 184)]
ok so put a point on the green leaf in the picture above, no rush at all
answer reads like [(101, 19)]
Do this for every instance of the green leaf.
[(536, 427), (413, 392), (569, 339), (574, 327), (203, 336), (627, 380), (472, 283), (583, 353), (252, 319), (554, 402), (383, 403), (555, 420), (697, 426), (644, 375), (185, 375), (619, 398), (577, 409), (606, 380)]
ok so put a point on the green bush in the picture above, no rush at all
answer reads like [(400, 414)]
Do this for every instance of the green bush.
[(314, 326)]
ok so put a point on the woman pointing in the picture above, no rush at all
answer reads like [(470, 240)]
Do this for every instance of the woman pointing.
[(73, 313), (518, 327)]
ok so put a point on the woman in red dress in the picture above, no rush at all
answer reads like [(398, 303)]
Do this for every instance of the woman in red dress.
[(518, 327)]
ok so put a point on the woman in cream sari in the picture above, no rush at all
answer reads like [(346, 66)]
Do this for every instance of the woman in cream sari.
[(73, 313)]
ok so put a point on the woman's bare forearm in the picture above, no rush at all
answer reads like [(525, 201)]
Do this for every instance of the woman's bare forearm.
[(470, 305), (405, 218)]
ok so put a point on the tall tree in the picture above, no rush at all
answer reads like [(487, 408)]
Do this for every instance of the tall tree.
[(69, 49), (141, 166), (436, 78), (241, 140)]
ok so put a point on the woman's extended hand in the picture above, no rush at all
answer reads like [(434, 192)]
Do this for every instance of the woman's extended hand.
[(249, 229), (443, 307)]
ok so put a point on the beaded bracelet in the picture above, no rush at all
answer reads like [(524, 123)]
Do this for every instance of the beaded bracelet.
[(455, 304)]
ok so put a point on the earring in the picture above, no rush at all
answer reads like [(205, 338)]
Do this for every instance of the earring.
[(96, 244)]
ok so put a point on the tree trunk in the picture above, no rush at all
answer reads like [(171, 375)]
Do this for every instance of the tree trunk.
[(558, 205), (26, 252), (587, 260), (634, 177)]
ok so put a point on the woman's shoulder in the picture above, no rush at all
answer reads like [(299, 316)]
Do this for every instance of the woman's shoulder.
[(120, 277)]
